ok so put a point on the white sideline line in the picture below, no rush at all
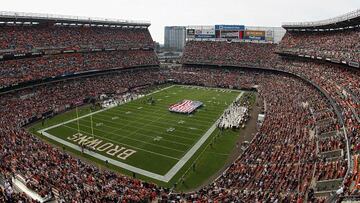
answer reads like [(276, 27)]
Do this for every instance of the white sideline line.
[(104, 158), (18, 184), (99, 111), (192, 151), (165, 178), (115, 142)]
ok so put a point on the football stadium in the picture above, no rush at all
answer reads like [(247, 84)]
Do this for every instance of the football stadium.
[(92, 110)]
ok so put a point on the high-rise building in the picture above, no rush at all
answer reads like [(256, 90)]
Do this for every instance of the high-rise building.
[(175, 37)]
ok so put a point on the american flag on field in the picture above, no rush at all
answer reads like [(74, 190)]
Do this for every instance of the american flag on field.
[(185, 106)]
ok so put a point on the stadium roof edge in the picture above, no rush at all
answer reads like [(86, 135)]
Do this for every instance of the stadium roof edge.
[(350, 19), (42, 17)]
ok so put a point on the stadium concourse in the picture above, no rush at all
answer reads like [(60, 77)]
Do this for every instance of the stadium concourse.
[(306, 149)]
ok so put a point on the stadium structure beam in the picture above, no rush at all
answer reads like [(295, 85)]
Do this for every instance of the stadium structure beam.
[(8, 16), (348, 20)]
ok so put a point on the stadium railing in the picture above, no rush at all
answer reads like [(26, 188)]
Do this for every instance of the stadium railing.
[(342, 18), (76, 75), (19, 15), (303, 54), (231, 40)]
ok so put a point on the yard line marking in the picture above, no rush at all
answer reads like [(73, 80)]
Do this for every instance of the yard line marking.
[(209, 112), (120, 143), (160, 107), (134, 107), (130, 131), (139, 121), (173, 171), (158, 138), (104, 158), (151, 123), (165, 178), (136, 140), (200, 120), (101, 110), (99, 124), (122, 128), (157, 108)]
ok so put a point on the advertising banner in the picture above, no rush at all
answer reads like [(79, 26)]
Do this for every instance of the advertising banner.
[(205, 33), (202, 36), (228, 34), (230, 27), (190, 31), (269, 35), (254, 35)]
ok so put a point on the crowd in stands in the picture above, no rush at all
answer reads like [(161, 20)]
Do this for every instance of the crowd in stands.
[(46, 168), (230, 53), (282, 156), (331, 143), (30, 69), (330, 170), (26, 38), (280, 162), (344, 90), (70, 49), (338, 44), (7, 197)]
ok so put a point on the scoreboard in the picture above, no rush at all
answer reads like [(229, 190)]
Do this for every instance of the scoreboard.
[(231, 32), (254, 35)]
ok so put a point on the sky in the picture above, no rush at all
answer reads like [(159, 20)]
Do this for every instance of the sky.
[(191, 12)]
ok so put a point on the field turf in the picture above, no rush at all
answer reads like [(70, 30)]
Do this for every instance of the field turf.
[(156, 139)]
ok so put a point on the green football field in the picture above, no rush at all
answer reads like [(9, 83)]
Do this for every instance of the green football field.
[(147, 140)]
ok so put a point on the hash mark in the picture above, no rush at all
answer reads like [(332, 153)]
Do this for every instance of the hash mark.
[(157, 138)]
